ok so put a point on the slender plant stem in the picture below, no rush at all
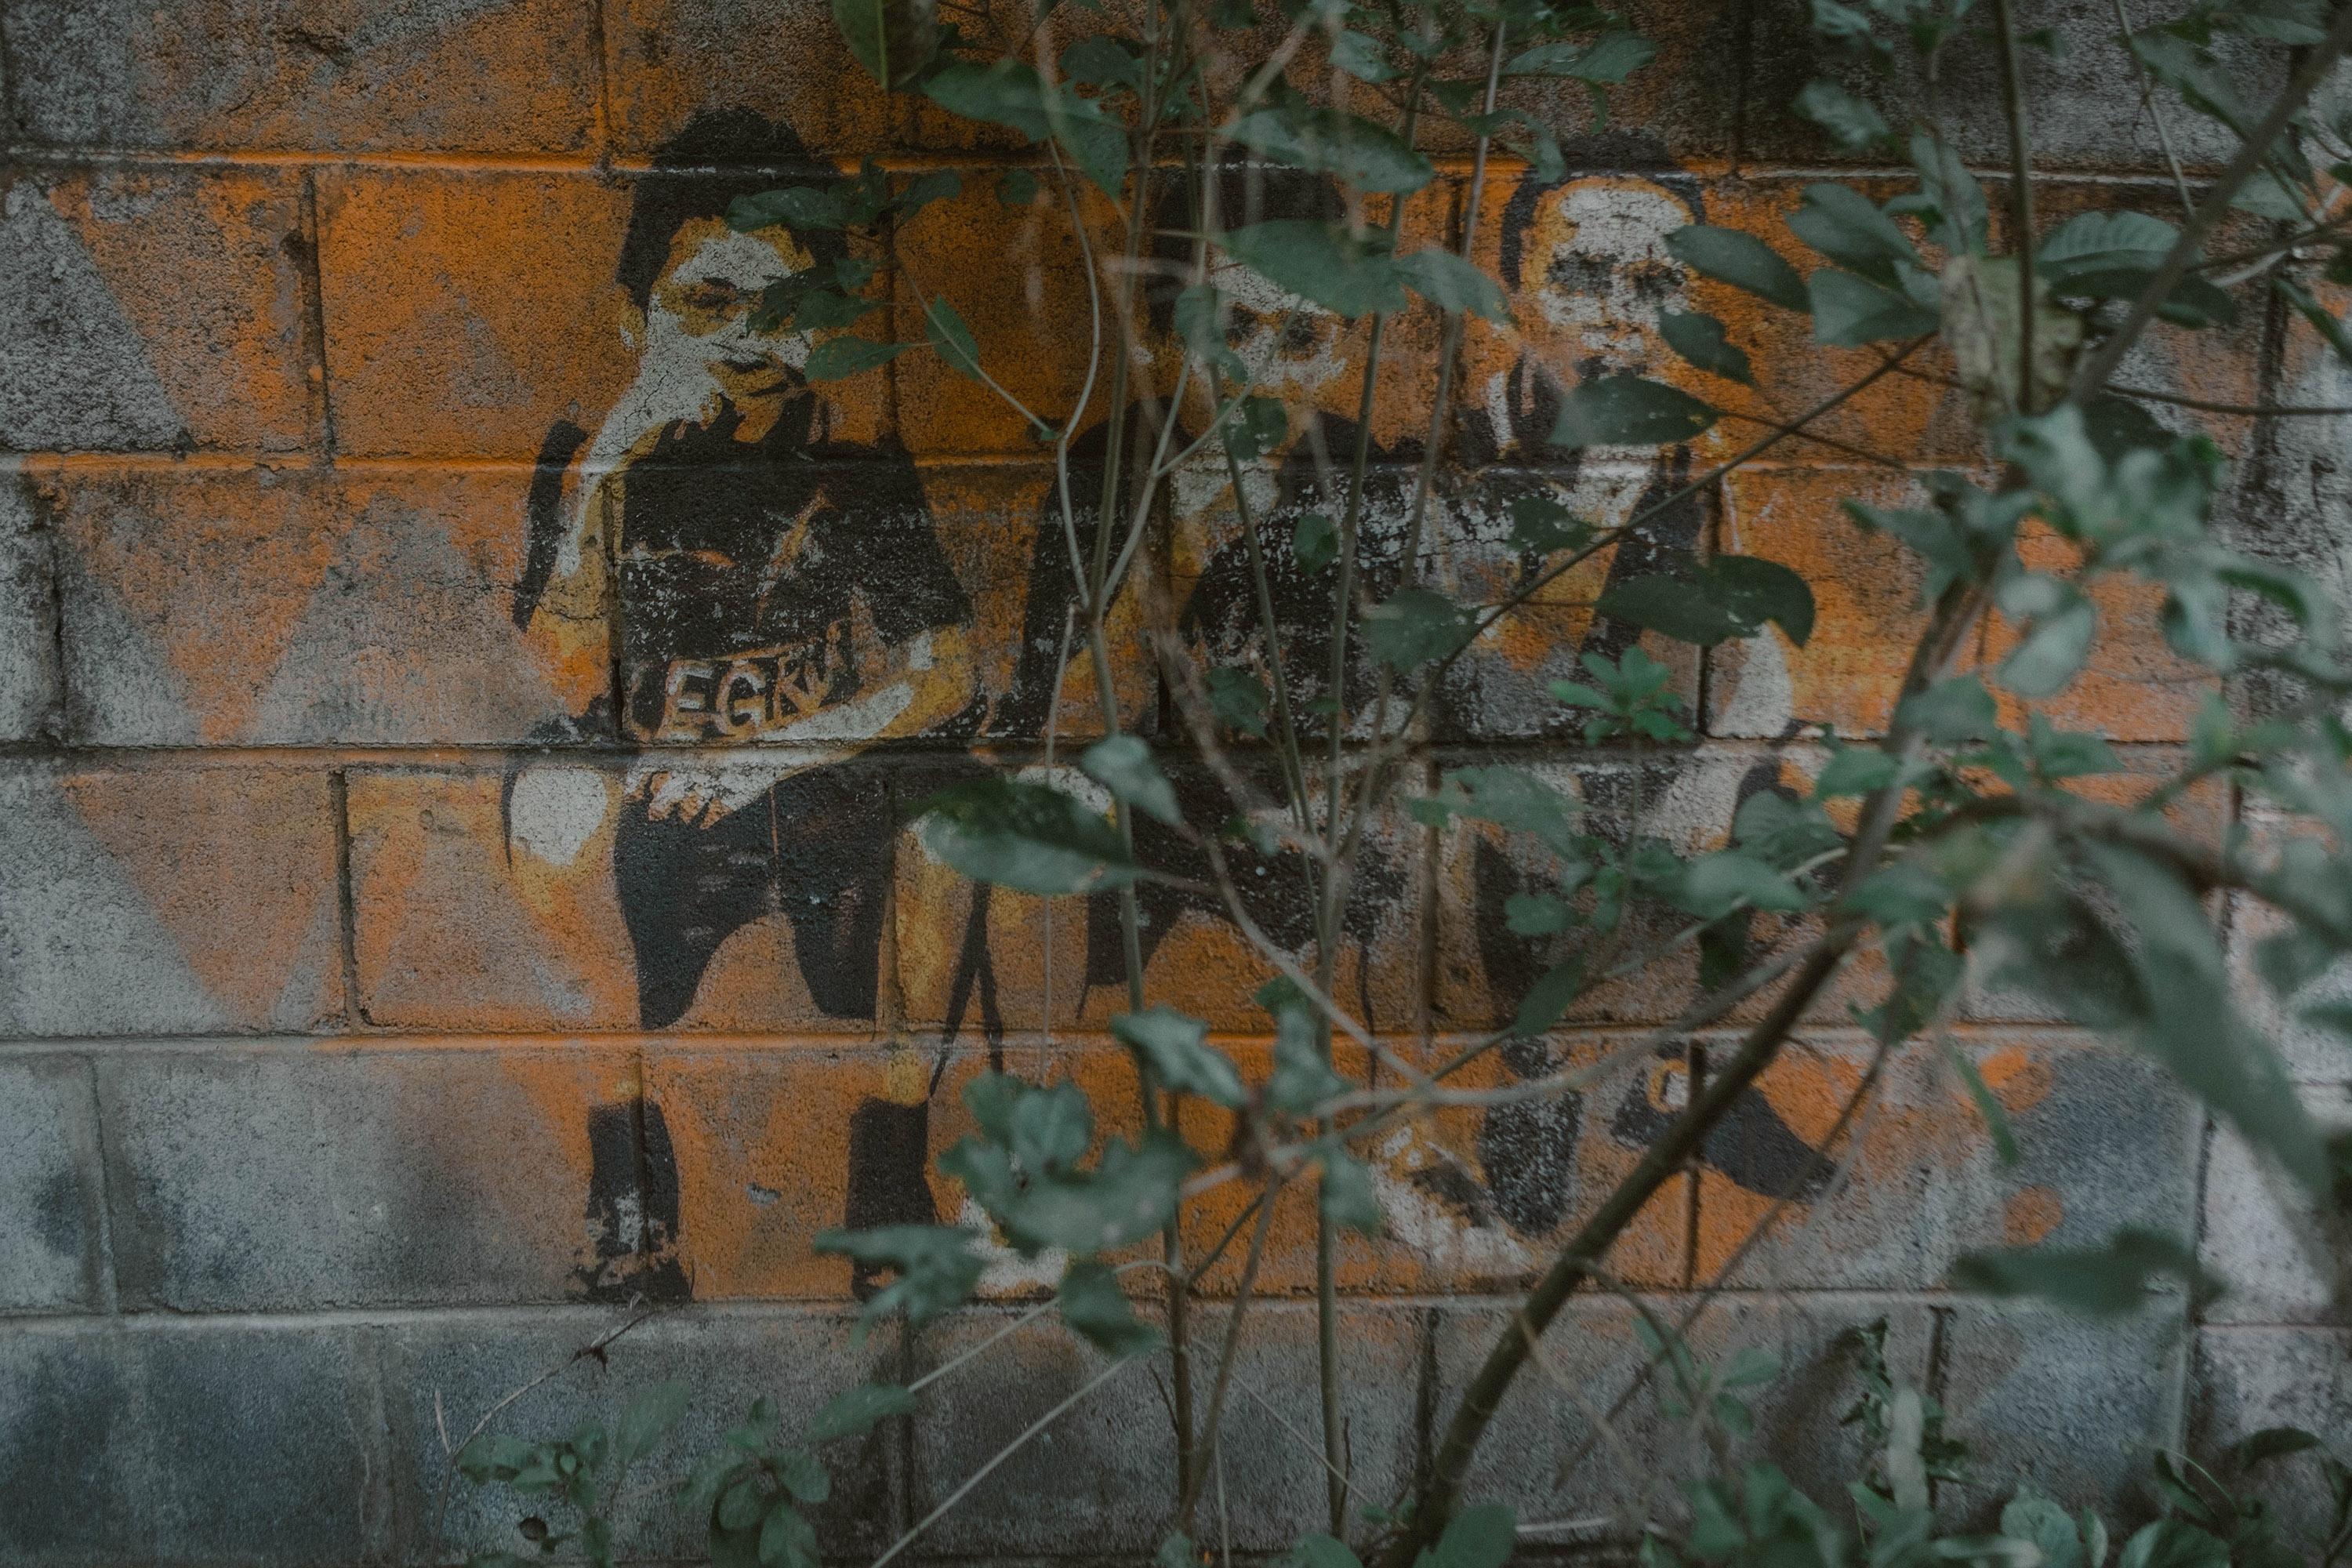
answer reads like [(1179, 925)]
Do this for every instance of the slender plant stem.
[(2101, 362), (1210, 1426), (2021, 195), (2155, 107), (2252, 410)]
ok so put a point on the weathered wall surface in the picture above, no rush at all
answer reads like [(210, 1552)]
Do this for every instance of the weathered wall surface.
[(432, 916)]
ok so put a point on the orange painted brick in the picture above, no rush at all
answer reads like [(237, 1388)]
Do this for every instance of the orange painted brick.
[(507, 314), (306, 76), (226, 605), (674, 61), (167, 901), (2104, 1140), (559, 899), (162, 309)]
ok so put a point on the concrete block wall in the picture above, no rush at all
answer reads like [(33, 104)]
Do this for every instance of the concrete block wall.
[(372, 1042)]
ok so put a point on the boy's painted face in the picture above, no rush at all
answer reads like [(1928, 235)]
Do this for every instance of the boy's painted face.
[(1290, 347), (698, 318), (1598, 272)]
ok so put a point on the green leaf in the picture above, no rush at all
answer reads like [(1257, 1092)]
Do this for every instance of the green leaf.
[(1178, 1050), (938, 185), (1855, 771), (836, 359), (1996, 1118), (1622, 410), (1850, 121), (1302, 1079), (804, 1475), (1006, 92), (1548, 999), (1851, 311), (2059, 625), (1360, 58), (1128, 1196), (822, 310), (2102, 242), (1700, 339), (2095, 1281), (1717, 884), (2032, 1517), (797, 206), (1026, 836), (1124, 765), (1510, 798), (1321, 262), (1607, 60), (2170, 1543), (1742, 261), (1417, 626), (1320, 1551), (1345, 1194), (1097, 1310), (1356, 150), (1931, 536), (1541, 525), (1315, 543), (2325, 321), (740, 1505), (855, 1412), (787, 1539), (937, 1267), (1198, 318), (1956, 217), (2271, 1443), (1102, 62), (646, 1418), (1729, 596), (1848, 228), (1238, 698), (1951, 711), (1257, 427), (1450, 283), (893, 39), (1534, 914), (1017, 188), (1480, 1536), (944, 325)]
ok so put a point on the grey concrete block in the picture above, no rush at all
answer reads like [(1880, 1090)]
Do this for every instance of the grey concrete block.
[(191, 1444), (2278, 1257), (1634, 1463), (2084, 98), (2077, 1404), (154, 308), (1096, 1481), (1270, 1449), (51, 1230), (2104, 1140), (181, 901), (797, 1359), (289, 1178), (454, 75), (29, 616), (2248, 1379)]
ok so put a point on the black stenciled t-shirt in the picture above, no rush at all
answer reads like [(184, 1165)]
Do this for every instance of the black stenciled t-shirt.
[(749, 571)]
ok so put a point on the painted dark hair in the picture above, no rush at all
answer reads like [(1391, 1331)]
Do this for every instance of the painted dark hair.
[(1519, 215), (1246, 193), (699, 174)]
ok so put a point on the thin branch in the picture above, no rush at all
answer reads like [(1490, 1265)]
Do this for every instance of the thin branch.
[(2021, 157), (2256, 410), (2155, 107)]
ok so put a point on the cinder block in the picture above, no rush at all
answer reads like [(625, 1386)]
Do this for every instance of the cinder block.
[(1098, 1479), (1562, 1410), (2084, 94), (305, 76), (51, 1252), (2314, 1052), (139, 900), (1474, 1196), (1196, 956), (2279, 1255), (295, 1178), (163, 309), (2104, 1140), (29, 615), (185, 1442), (1269, 1476), (448, 1372), (505, 315), (2247, 1379), (1867, 613), (555, 900), (2078, 1404), (678, 65), (256, 606)]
